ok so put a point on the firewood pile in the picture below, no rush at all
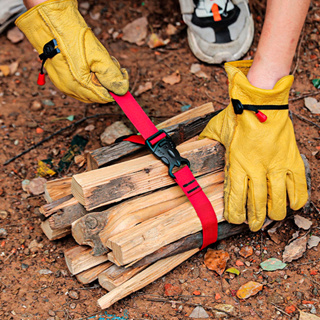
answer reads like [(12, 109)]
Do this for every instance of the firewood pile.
[(132, 223)]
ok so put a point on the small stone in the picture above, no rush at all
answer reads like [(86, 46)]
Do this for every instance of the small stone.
[(247, 263), (36, 186), (84, 5), (171, 290), (73, 295), (95, 16), (97, 31), (199, 313), (3, 214), (275, 298), (114, 131), (24, 266), (36, 106), (3, 233), (45, 271), (48, 102), (72, 305), (15, 35), (223, 307), (51, 313), (89, 127)]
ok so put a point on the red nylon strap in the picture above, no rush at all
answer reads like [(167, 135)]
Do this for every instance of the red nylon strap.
[(183, 177)]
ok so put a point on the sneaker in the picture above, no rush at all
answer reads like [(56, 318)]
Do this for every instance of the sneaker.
[(10, 10), (218, 30)]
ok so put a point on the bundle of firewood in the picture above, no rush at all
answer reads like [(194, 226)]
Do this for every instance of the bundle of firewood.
[(132, 222)]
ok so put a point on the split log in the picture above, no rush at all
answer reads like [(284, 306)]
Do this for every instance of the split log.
[(151, 235), (96, 227), (131, 178), (54, 234), (115, 276), (92, 274), (194, 119), (48, 209), (145, 277), (57, 189), (79, 258)]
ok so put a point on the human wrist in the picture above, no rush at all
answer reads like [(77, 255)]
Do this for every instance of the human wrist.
[(31, 3)]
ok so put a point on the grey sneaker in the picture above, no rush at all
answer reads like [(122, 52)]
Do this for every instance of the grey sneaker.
[(10, 10), (218, 30)]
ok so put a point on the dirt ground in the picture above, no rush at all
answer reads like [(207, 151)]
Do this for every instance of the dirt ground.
[(27, 293)]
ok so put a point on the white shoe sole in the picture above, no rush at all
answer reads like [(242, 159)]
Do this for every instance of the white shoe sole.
[(221, 52)]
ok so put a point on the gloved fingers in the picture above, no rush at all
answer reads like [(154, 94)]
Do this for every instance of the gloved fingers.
[(235, 196), (297, 187), (277, 196), (257, 202), (106, 68)]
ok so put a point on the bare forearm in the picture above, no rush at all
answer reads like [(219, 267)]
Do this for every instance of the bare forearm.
[(31, 3), (278, 41)]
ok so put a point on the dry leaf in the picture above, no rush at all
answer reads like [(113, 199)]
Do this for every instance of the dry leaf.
[(171, 29), (313, 242), (312, 104), (246, 251), (172, 78), (199, 313), (216, 260), (5, 69), (196, 69), (295, 250), (249, 289), (155, 41), (136, 31), (302, 222), (143, 88)]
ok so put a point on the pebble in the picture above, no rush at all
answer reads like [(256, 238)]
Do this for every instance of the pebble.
[(313, 309), (72, 305), (73, 295), (84, 5), (24, 266), (3, 233), (247, 263), (45, 271), (48, 102), (36, 105), (3, 214), (51, 313), (114, 131), (15, 35)]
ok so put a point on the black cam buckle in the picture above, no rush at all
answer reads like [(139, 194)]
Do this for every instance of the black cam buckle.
[(165, 149)]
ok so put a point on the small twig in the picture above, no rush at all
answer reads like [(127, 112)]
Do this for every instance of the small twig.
[(215, 100), (310, 262), (304, 96), (318, 211), (314, 281), (56, 133), (193, 305), (287, 314), (135, 81), (305, 119)]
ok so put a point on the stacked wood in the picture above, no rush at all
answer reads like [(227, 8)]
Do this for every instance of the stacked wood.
[(63, 209)]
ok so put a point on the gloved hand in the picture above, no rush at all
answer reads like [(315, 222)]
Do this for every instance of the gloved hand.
[(83, 68), (263, 162)]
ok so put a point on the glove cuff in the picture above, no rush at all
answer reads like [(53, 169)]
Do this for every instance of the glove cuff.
[(241, 89)]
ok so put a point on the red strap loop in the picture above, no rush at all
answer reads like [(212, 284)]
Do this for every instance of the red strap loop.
[(183, 177)]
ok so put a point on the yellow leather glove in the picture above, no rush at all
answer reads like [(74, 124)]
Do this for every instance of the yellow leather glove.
[(82, 58), (263, 162)]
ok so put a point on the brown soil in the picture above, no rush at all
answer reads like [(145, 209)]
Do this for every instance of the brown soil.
[(24, 292)]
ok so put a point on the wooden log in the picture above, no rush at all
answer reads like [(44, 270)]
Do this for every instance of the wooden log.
[(68, 215), (115, 276), (79, 258), (92, 274), (54, 234), (145, 277), (192, 241), (200, 117), (57, 189), (151, 235), (131, 178), (96, 228)]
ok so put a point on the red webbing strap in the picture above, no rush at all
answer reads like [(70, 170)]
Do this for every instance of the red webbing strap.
[(183, 177)]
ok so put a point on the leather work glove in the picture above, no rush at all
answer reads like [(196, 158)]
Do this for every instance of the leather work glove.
[(81, 66), (263, 162)]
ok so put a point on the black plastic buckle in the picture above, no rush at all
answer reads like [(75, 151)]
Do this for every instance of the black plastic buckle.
[(50, 49), (165, 149)]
